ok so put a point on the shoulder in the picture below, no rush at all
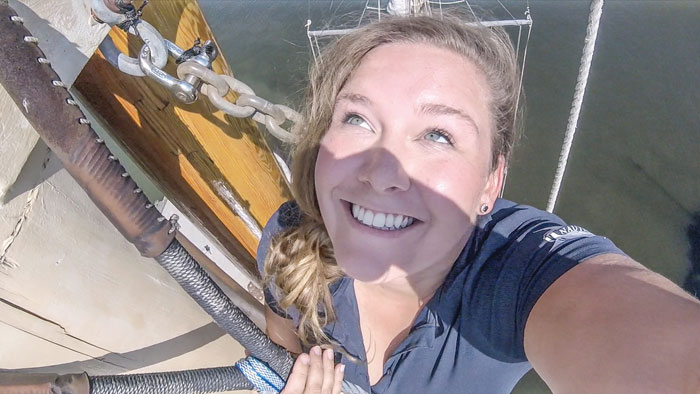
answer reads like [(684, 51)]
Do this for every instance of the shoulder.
[(528, 233), (515, 254), (508, 217), (287, 216)]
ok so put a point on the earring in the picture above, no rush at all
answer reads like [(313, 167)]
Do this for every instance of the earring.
[(484, 208)]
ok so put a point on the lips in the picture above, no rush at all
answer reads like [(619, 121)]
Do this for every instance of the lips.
[(380, 220)]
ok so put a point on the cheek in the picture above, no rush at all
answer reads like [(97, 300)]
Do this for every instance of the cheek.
[(453, 189), (331, 171), (323, 173), (339, 158), (442, 187), (341, 143)]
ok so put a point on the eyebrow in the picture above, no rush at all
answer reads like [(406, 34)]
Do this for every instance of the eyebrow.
[(433, 109), (440, 109), (354, 98)]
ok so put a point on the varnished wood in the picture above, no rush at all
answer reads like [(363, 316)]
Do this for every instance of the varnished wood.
[(187, 148)]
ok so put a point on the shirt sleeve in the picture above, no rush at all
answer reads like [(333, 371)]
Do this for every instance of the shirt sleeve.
[(519, 251), (286, 216)]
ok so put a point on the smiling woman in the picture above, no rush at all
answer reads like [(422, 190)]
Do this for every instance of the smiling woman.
[(398, 253), (411, 145), (491, 61)]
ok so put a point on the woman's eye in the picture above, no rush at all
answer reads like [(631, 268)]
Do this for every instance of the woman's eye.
[(356, 120), (438, 136)]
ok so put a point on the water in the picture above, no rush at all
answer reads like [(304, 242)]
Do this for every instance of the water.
[(633, 173)]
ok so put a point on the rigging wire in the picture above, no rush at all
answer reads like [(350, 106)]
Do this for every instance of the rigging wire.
[(506, 9), (471, 9), (522, 68), (520, 90), (441, 3), (522, 74), (363, 13), (311, 43), (579, 91), (517, 50)]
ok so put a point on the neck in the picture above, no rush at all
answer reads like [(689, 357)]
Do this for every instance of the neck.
[(417, 289)]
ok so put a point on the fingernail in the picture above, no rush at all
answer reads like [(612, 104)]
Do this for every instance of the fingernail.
[(342, 367), (337, 357), (304, 359), (328, 353), (316, 350)]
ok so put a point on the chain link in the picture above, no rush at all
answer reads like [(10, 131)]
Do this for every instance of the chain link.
[(221, 103)]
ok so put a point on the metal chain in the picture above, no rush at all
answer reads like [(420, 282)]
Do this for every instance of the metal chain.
[(216, 86), (194, 74)]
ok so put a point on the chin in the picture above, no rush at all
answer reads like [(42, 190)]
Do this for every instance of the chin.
[(368, 268), (363, 274), (361, 266)]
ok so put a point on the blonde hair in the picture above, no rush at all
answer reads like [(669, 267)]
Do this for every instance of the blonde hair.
[(300, 261)]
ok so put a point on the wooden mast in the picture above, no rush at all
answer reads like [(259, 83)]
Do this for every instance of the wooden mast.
[(194, 153)]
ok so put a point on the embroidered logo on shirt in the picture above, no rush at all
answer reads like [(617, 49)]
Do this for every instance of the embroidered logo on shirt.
[(567, 232)]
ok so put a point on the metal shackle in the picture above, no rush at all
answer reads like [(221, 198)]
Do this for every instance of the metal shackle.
[(182, 90), (129, 65)]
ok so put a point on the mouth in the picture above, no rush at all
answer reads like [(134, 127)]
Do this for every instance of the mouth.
[(384, 221)]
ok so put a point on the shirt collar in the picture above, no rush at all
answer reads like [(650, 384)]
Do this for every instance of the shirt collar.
[(346, 329)]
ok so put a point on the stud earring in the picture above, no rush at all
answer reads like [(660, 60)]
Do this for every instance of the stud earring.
[(484, 208)]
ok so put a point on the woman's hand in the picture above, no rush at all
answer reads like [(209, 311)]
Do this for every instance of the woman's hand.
[(314, 373)]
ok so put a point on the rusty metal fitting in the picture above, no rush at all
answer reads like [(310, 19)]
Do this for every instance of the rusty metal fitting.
[(114, 5), (107, 11), (15, 383)]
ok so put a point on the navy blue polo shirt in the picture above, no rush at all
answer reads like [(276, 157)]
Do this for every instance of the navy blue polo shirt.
[(469, 337)]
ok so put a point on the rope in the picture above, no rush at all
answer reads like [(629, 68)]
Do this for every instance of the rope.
[(197, 381), (586, 59), (263, 378), (197, 283)]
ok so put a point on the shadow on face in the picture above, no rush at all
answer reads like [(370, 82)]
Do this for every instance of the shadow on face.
[(395, 219)]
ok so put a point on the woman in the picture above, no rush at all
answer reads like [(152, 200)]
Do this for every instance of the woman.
[(398, 254)]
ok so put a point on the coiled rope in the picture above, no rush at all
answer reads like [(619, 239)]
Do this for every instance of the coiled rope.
[(581, 82)]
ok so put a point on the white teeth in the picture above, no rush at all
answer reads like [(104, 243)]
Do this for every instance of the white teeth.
[(380, 220), (369, 217)]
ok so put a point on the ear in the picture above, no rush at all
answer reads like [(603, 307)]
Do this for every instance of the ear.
[(493, 186)]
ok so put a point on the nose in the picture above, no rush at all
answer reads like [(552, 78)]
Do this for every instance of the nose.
[(383, 171)]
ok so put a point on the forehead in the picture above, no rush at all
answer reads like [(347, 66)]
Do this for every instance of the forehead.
[(414, 75)]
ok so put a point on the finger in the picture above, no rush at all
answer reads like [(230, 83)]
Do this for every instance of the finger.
[(315, 378), (338, 378), (297, 379), (328, 371)]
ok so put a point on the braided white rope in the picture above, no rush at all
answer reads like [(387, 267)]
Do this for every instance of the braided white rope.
[(263, 378), (581, 82)]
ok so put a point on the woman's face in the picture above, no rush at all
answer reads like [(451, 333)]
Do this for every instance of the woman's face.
[(406, 163)]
